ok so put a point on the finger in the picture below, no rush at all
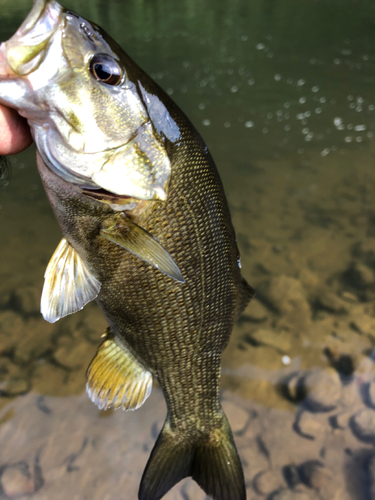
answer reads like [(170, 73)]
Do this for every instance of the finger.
[(15, 133)]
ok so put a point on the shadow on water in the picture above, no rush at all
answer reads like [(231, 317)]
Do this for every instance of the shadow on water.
[(284, 98)]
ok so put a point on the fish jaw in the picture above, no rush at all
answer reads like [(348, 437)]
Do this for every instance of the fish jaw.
[(24, 52), (27, 47)]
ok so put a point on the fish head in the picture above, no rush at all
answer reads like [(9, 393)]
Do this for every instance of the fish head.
[(93, 125)]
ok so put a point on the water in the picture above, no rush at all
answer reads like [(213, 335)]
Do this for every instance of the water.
[(282, 92)]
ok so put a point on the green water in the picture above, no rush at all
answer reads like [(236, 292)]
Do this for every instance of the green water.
[(283, 94)]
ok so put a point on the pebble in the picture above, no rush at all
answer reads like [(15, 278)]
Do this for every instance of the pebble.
[(16, 480), (359, 276), (363, 424), (322, 389), (309, 425), (309, 280), (10, 322), (253, 459), (237, 416), (49, 380), (14, 387), (349, 297), (341, 420), (28, 299), (35, 343), (256, 311), (72, 355), (333, 303), (350, 396), (267, 481), (12, 381), (294, 386), (288, 297), (287, 494), (364, 323), (315, 474), (279, 340), (365, 369)]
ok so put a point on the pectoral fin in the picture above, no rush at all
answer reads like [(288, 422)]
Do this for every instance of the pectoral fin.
[(115, 377), (127, 234), (68, 284)]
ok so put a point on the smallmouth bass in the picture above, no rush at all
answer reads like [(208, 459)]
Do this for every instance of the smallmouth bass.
[(146, 233)]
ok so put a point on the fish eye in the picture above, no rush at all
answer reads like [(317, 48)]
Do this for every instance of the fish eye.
[(106, 69)]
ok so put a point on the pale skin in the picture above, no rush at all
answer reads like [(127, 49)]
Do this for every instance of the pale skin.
[(14, 132)]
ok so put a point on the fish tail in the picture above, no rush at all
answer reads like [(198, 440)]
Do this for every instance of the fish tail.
[(212, 461)]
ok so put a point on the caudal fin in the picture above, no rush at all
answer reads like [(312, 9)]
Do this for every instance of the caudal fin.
[(212, 461)]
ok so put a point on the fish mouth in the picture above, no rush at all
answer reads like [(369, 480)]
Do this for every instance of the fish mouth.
[(25, 50)]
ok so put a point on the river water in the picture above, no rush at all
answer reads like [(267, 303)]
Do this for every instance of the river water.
[(282, 91)]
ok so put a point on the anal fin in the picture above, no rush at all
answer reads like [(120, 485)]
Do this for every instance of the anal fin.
[(124, 232), (115, 378), (68, 284)]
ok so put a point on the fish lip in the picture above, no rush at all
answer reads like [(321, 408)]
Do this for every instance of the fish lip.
[(5, 69), (40, 7), (36, 30)]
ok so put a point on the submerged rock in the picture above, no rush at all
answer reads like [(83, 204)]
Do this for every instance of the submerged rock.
[(363, 425), (315, 474), (276, 339), (341, 420), (237, 416), (294, 386), (309, 425), (322, 389), (288, 298), (296, 494), (267, 481), (12, 330), (17, 481), (13, 381), (333, 303), (15, 386), (359, 276)]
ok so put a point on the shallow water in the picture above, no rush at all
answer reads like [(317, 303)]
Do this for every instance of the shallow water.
[(282, 92)]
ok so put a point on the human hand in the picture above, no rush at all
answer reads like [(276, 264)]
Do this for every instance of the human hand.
[(15, 133)]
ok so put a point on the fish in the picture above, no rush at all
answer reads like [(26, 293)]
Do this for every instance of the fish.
[(147, 234)]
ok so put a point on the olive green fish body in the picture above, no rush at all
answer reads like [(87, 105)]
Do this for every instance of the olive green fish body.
[(178, 331), (163, 321)]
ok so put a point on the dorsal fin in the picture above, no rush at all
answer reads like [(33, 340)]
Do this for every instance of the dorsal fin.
[(68, 284), (116, 378), (124, 232), (246, 293)]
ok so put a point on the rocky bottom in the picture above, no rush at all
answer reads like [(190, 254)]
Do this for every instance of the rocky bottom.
[(298, 375)]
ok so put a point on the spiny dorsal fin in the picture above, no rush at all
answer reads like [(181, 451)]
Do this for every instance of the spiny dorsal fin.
[(115, 377), (245, 294), (122, 231), (68, 284)]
